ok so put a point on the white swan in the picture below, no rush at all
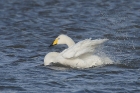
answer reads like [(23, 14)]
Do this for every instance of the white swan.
[(79, 55)]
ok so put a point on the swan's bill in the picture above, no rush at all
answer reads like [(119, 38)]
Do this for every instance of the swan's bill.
[(54, 42)]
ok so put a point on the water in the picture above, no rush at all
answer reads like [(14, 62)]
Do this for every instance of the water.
[(28, 27)]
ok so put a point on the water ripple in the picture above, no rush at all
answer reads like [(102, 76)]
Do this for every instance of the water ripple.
[(28, 27)]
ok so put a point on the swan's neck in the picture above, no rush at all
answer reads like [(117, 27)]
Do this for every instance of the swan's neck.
[(69, 42)]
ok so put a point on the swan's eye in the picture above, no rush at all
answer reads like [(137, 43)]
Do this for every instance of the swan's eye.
[(58, 38)]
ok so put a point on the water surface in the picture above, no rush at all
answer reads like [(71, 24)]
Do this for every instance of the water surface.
[(28, 27)]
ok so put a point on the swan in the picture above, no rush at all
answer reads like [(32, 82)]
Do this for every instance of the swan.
[(77, 55)]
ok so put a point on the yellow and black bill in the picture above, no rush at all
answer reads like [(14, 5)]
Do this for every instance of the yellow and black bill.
[(54, 42)]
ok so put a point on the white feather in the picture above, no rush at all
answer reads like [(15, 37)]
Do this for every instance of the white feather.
[(82, 47)]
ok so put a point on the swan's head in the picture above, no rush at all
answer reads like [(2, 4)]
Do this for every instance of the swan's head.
[(63, 39), (50, 58)]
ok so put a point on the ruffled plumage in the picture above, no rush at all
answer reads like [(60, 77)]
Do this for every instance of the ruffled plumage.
[(79, 55)]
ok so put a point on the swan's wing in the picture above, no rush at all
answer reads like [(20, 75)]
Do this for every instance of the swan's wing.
[(82, 47)]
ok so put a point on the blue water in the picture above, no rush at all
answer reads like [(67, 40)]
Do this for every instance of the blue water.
[(28, 27)]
